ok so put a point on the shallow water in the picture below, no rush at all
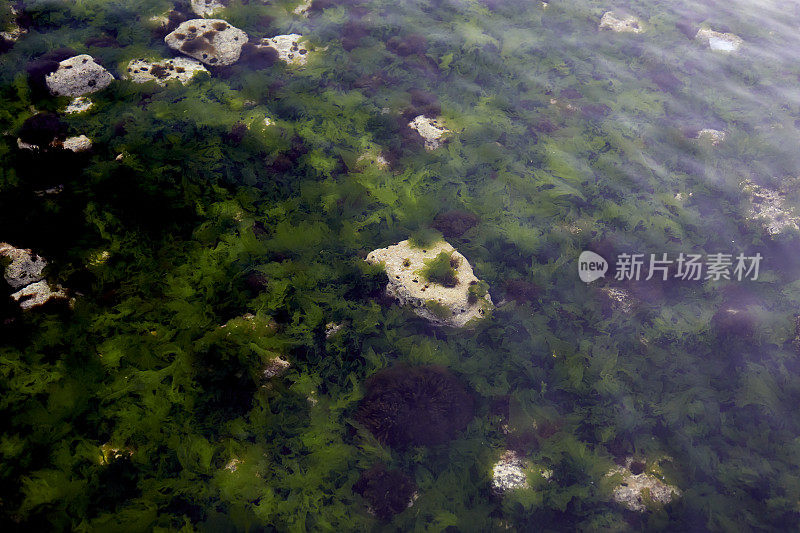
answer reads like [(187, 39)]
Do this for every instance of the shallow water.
[(216, 226)]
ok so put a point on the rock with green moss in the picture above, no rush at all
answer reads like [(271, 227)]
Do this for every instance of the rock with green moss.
[(445, 301), (640, 489)]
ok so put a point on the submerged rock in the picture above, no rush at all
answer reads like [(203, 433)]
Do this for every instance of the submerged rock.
[(13, 31), (720, 42), (275, 367), (628, 24), (77, 76), (206, 8), (37, 294), (638, 489), (715, 137), (180, 68), (212, 41), (303, 7), (26, 273), (289, 47), (78, 104), (25, 268), (509, 473), (453, 306), (770, 206), (430, 130), (77, 143)]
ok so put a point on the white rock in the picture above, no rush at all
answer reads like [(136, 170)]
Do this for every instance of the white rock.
[(509, 473), (182, 69), (290, 48), (275, 367), (212, 41), (430, 130), (25, 268), (715, 137), (78, 104), (635, 489), (79, 143), (403, 263), (720, 42), (206, 8), (77, 76), (771, 208), (37, 294), (629, 24)]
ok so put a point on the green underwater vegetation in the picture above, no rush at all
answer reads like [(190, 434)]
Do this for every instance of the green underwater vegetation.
[(200, 245)]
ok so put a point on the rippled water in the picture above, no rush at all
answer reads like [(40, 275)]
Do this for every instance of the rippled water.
[(227, 360)]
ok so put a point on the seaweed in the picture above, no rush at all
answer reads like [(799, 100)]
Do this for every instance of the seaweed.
[(388, 491), (41, 129), (415, 406), (441, 269)]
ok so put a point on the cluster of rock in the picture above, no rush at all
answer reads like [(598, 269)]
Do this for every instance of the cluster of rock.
[(403, 263), (26, 275), (77, 76), (771, 207), (627, 24), (182, 69), (637, 491), (719, 42), (430, 130)]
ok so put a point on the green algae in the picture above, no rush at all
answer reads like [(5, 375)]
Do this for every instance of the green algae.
[(205, 222)]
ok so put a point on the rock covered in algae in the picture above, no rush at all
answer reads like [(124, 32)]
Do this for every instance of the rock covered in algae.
[(182, 69), (79, 104), (453, 306), (430, 130), (627, 24), (212, 41), (77, 76), (638, 489)]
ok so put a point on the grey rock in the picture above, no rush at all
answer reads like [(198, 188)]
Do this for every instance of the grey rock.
[(77, 76), (212, 41)]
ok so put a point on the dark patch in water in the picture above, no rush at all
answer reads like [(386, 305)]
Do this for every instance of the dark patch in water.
[(387, 491), (415, 406)]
